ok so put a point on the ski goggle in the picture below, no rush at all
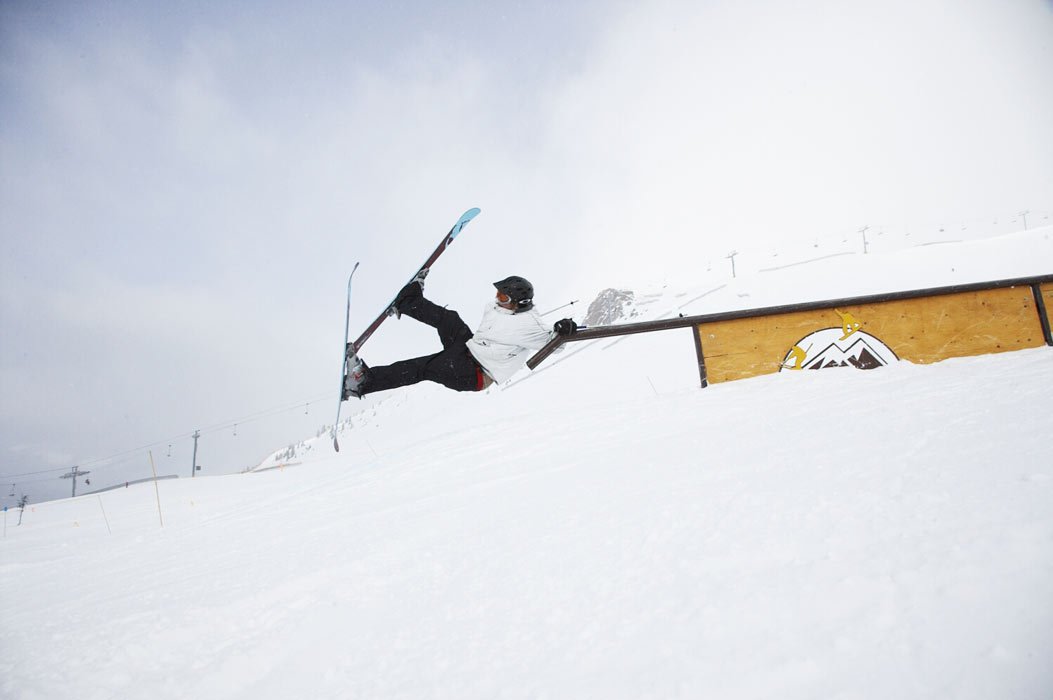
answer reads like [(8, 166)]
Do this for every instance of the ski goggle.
[(503, 298)]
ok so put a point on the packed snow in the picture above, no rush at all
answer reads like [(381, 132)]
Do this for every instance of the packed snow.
[(601, 527)]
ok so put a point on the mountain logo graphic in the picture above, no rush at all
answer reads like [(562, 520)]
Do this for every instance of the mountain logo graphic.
[(832, 347)]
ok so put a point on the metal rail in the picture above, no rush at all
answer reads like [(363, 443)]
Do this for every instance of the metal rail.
[(594, 333)]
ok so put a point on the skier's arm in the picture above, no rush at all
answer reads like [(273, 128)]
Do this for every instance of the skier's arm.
[(536, 335)]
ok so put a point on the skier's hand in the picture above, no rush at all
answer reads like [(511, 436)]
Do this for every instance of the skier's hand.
[(565, 326)]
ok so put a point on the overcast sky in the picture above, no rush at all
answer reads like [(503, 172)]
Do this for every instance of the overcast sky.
[(184, 187)]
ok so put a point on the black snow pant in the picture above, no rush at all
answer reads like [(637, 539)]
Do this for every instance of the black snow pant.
[(453, 367)]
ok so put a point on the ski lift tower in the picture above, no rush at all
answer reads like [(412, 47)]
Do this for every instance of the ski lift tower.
[(73, 474), (731, 256)]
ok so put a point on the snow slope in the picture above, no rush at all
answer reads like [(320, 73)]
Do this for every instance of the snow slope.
[(602, 528)]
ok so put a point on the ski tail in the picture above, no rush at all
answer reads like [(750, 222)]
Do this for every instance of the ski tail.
[(343, 375)]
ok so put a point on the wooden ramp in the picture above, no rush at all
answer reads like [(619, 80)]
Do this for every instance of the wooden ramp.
[(921, 326)]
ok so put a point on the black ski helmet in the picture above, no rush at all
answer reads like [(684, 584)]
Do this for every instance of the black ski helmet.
[(518, 290)]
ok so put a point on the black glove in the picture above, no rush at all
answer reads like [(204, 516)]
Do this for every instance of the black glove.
[(565, 326)]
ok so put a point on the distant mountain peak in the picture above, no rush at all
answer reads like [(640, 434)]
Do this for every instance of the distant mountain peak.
[(610, 306)]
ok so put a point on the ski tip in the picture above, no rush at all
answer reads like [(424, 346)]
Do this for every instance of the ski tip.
[(461, 223)]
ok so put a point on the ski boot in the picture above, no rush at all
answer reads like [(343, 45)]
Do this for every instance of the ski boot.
[(356, 374), (414, 289)]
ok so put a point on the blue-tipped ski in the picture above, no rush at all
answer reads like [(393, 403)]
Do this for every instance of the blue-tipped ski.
[(343, 375), (421, 272)]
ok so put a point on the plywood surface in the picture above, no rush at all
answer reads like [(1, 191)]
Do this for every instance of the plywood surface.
[(921, 330)]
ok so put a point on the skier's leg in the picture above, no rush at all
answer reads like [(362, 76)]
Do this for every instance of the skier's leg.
[(455, 369), (402, 373), (452, 330)]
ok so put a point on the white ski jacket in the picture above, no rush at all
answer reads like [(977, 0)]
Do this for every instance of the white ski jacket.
[(504, 339)]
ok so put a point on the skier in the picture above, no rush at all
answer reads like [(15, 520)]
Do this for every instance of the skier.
[(510, 328)]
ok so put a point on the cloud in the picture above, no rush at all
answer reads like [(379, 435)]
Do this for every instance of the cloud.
[(705, 127)]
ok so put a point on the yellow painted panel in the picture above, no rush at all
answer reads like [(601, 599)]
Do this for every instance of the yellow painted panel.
[(1047, 296), (922, 330)]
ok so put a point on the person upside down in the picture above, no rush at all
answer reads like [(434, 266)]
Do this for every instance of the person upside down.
[(510, 329)]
